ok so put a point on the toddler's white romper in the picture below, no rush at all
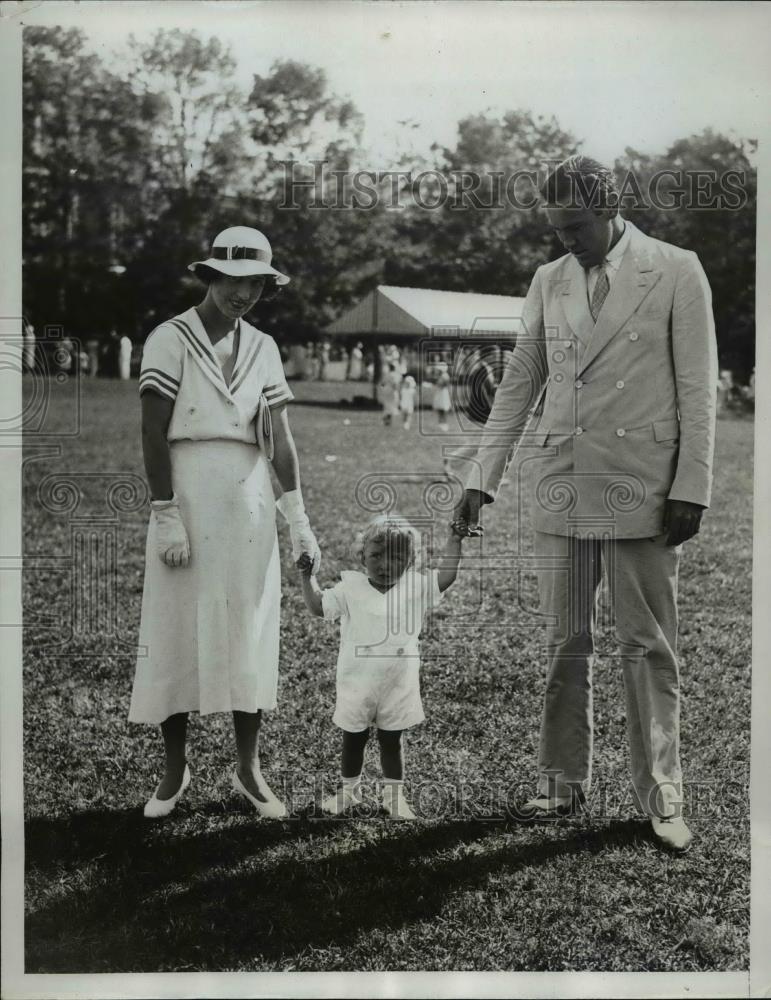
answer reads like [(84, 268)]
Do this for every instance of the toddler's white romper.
[(378, 667)]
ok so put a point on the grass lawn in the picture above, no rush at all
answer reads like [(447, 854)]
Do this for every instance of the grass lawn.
[(470, 888)]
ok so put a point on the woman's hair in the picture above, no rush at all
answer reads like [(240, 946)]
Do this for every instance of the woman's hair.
[(394, 532), (209, 274)]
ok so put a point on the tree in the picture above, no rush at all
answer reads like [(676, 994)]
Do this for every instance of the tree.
[(86, 141), (482, 237), (722, 234), (197, 108)]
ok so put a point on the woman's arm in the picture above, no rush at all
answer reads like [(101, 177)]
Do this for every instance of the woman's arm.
[(156, 414), (290, 503), (448, 562), (285, 461)]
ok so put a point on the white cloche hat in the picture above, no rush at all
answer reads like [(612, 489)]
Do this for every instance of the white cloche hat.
[(241, 252)]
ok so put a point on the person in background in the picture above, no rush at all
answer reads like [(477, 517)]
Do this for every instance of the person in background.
[(124, 358), (28, 351), (475, 370), (407, 394), (355, 363), (390, 386), (442, 401), (323, 352)]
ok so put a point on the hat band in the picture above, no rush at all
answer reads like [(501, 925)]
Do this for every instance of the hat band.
[(240, 253)]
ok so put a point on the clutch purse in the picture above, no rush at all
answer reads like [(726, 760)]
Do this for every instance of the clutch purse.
[(263, 427)]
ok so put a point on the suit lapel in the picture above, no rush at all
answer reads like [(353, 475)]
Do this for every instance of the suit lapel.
[(635, 279), (572, 295)]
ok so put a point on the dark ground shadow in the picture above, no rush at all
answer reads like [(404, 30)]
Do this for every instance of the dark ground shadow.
[(179, 902)]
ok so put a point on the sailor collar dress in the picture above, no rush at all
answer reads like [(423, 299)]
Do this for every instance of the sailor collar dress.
[(209, 632)]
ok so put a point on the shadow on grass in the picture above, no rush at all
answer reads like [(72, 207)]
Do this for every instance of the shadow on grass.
[(254, 895)]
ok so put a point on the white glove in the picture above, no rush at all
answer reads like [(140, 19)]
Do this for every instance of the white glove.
[(171, 536), (290, 505)]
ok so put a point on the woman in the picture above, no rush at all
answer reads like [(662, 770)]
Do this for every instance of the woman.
[(390, 387), (213, 415), (477, 371), (442, 402)]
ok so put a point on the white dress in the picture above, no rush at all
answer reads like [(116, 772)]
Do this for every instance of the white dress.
[(378, 666), (209, 633), (407, 396), (442, 401), (391, 386)]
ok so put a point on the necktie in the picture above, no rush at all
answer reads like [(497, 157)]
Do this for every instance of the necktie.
[(600, 293)]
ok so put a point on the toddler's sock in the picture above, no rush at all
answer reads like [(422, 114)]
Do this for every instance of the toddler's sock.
[(394, 800)]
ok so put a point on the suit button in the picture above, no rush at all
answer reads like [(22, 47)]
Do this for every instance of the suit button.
[(634, 336), (558, 377), (579, 430), (620, 384), (568, 344), (579, 383), (620, 432)]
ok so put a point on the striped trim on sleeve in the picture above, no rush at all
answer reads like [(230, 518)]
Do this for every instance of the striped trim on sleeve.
[(160, 382), (278, 393)]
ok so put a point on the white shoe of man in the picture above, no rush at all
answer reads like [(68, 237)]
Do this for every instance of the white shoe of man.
[(672, 832)]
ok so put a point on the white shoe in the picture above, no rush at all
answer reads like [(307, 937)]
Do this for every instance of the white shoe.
[(395, 803), (272, 808), (346, 797), (155, 807), (672, 832)]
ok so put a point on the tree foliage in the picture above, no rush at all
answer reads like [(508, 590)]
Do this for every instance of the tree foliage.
[(133, 167), (721, 233)]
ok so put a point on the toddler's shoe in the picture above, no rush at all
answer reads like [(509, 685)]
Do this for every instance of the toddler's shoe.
[(346, 797), (272, 808), (155, 808), (395, 802)]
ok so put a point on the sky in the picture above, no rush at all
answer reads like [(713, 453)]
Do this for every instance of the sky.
[(613, 74)]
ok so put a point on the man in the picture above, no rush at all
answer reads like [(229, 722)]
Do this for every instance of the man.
[(616, 367)]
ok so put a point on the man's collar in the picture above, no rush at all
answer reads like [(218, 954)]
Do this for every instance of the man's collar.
[(614, 255)]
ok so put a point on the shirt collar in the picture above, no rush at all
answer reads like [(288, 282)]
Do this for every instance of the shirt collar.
[(616, 253)]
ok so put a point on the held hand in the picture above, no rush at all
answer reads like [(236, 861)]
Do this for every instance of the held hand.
[(682, 520), (304, 544), (466, 516), (171, 537), (305, 564), (290, 505)]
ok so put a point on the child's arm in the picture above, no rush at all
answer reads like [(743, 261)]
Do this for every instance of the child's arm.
[(448, 561), (311, 590)]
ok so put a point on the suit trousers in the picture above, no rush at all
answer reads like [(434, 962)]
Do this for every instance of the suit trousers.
[(641, 574)]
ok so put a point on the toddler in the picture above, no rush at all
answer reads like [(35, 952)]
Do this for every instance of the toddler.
[(381, 611)]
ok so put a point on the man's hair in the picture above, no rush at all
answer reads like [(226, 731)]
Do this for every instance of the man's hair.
[(581, 182)]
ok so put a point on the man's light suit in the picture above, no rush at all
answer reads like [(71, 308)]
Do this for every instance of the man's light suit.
[(623, 414)]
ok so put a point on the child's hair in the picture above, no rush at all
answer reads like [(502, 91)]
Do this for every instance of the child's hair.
[(395, 532)]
